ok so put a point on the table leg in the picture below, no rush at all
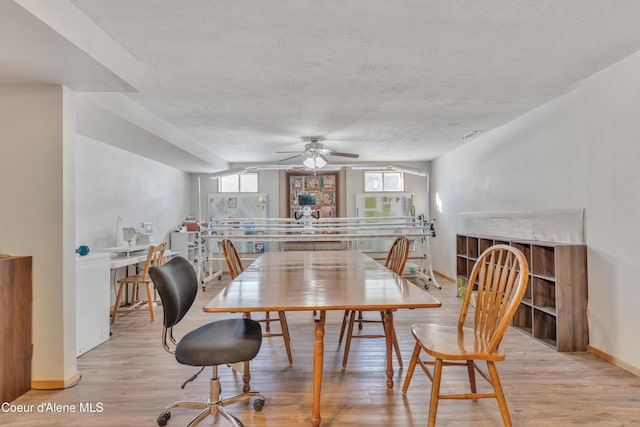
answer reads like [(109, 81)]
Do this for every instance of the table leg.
[(388, 333), (246, 370), (318, 359)]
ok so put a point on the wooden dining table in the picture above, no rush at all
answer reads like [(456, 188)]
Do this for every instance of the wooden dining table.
[(320, 281)]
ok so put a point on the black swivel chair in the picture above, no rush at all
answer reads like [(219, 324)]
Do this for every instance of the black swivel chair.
[(216, 343)]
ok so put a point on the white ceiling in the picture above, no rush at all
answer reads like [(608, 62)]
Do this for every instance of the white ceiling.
[(389, 80)]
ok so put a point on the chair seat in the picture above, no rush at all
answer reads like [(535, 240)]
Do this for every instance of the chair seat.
[(220, 342), (453, 343)]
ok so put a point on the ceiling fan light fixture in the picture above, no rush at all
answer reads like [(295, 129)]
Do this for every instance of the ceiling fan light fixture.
[(309, 162), (315, 161)]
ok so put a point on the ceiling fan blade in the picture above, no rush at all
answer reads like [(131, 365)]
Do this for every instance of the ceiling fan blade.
[(286, 152), (337, 153), (292, 157)]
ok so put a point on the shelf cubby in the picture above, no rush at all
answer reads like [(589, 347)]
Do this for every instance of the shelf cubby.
[(544, 294), (523, 319), (543, 261), (472, 248), (525, 248), (527, 298), (484, 244), (461, 245), (544, 327), (554, 307), (461, 267)]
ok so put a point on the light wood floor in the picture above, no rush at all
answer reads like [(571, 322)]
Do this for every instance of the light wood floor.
[(133, 379)]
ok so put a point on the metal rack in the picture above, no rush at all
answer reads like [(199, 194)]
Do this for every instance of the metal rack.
[(352, 232)]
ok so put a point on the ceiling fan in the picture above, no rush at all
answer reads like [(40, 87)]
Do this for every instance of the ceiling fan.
[(315, 152)]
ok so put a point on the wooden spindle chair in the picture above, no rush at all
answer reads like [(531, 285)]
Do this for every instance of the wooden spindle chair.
[(500, 275), (235, 268), (155, 257), (396, 260)]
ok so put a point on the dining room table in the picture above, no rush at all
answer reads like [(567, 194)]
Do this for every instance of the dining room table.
[(319, 281)]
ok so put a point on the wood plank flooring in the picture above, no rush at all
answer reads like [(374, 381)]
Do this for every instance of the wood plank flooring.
[(133, 378)]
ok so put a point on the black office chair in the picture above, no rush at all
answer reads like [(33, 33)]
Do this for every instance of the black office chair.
[(216, 343)]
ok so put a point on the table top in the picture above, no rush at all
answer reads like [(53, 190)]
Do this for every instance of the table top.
[(318, 280)]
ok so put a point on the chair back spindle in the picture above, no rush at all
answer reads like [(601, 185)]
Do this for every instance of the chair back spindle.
[(397, 255), (233, 259), (496, 273)]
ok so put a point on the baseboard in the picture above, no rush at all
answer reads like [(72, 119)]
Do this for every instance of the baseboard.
[(55, 384), (444, 276), (614, 360)]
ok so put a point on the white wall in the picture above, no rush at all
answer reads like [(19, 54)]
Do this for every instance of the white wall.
[(62, 190), (112, 182), (418, 185), (269, 182), (531, 164), (612, 140), (578, 151), (36, 168)]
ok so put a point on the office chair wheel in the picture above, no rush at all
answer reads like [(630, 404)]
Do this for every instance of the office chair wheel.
[(258, 404), (163, 418)]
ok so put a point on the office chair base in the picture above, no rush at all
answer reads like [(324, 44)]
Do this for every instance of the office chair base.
[(214, 406)]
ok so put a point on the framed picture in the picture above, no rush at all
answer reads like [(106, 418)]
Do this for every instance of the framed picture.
[(328, 182), (312, 183), (319, 191)]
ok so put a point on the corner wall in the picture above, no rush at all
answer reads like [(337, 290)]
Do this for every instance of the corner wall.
[(36, 164), (580, 150)]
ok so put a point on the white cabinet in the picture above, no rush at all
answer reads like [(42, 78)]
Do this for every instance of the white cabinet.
[(92, 301), (188, 244)]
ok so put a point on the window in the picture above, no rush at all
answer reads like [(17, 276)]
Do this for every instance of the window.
[(383, 181), (241, 183)]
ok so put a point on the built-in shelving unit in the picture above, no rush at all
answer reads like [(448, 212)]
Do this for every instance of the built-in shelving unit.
[(188, 244), (554, 308)]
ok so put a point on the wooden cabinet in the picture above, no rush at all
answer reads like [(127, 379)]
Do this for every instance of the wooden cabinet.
[(15, 333), (554, 308)]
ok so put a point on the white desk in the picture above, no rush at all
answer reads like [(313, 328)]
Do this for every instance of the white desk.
[(126, 252), (123, 256), (118, 261)]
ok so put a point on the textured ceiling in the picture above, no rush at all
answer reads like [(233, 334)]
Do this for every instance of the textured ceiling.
[(389, 80)]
